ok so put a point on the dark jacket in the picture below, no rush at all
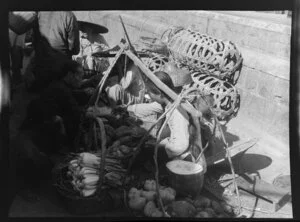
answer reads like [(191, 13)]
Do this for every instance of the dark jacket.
[(57, 100)]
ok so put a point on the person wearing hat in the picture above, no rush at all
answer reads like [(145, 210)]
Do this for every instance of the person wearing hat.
[(91, 41)]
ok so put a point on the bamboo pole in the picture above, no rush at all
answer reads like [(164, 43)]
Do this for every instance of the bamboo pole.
[(186, 105), (107, 73)]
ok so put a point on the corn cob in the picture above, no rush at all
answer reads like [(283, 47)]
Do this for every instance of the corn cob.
[(113, 176)]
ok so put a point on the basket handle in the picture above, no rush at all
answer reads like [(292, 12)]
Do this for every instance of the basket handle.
[(103, 150)]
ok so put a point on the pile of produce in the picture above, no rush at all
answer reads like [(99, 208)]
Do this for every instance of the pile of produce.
[(122, 135), (84, 173), (144, 201), (126, 142)]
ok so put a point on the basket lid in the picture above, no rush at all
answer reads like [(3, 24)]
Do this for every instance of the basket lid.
[(183, 167)]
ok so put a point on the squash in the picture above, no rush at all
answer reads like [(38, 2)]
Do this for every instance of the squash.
[(202, 202), (181, 209), (150, 208), (137, 203), (149, 195), (150, 185)]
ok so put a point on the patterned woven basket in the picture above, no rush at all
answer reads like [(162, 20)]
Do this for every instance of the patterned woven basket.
[(200, 52), (155, 62), (226, 97)]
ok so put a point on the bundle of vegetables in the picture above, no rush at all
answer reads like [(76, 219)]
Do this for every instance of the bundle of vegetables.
[(84, 172), (145, 199)]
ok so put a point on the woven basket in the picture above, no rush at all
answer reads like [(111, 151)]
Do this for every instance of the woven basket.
[(75, 204), (200, 52), (102, 200)]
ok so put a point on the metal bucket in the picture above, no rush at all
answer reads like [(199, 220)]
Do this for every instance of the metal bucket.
[(185, 177)]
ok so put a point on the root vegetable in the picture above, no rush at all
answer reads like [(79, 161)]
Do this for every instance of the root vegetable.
[(203, 214), (125, 149), (223, 216), (171, 191), (126, 140), (157, 213), (119, 154), (181, 209), (137, 203), (123, 131), (149, 195), (150, 185), (134, 192), (202, 202), (227, 209), (113, 176), (110, 131), (166, 196), (138, 132), (149, 208), (211, 212), (217, 207)]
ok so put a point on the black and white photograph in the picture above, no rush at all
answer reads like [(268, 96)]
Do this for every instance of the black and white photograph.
[(149, 114)]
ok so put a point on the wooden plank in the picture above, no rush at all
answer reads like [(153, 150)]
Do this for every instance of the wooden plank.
[(234, 150), (277, 196)]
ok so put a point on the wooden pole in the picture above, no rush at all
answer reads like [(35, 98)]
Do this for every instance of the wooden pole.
[(185, 105)]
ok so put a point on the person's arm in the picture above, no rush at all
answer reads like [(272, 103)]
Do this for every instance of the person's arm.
[(145, 109), (73, 34), (178, 142)]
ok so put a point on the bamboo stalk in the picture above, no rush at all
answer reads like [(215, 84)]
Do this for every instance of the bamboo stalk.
[(103, 80), (231, 165), (171, 110), (103, 151)]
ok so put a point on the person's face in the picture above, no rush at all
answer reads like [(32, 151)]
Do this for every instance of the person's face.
[(156, 97)]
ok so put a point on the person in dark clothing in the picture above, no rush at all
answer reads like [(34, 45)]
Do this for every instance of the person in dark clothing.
[(56, 39), (57, 105)]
